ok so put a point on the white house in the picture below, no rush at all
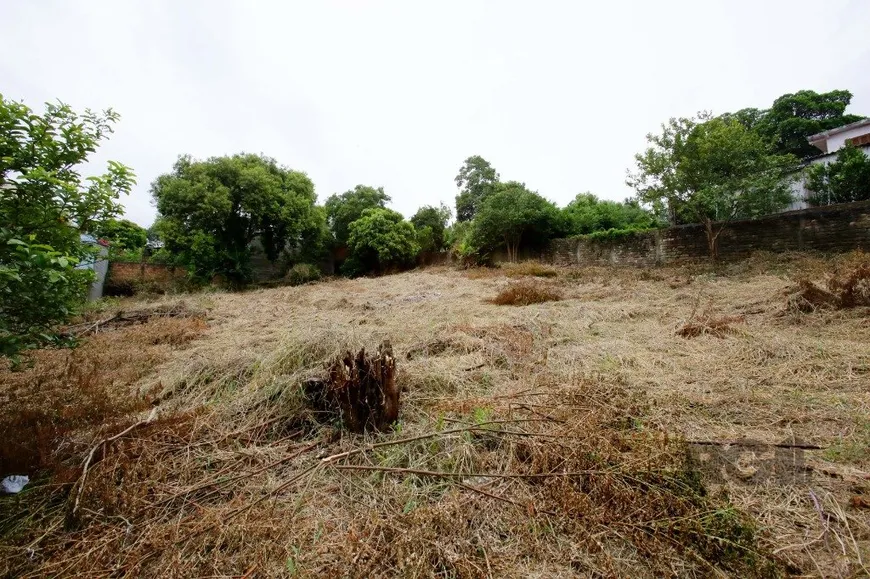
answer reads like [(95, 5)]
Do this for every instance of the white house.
[(829, 143)]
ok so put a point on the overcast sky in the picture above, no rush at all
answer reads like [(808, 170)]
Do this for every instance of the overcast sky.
[(397, 94)]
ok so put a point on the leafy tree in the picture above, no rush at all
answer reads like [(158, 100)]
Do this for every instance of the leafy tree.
[(749, 117), (586, 213), (344, 209), (794, 117), (845, 180), (476, 181), (711, 172), (210, 212), (434, 219), (379, 241), (44, 206), (122, 234), (511, 215)]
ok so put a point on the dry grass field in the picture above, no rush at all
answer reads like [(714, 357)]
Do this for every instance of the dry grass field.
[(645, 423)]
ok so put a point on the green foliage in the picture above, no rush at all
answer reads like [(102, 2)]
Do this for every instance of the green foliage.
[(845, 180), (302, 273), (344, 209), (476, 181), (615, 234), (40, 288), (210, 212), (122, 234), (586, 214), (379, 241), (44, 205), (711, 170), (431, 223), (509, 215), (794, 117)]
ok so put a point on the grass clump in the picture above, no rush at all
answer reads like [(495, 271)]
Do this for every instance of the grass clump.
[(526, 292)]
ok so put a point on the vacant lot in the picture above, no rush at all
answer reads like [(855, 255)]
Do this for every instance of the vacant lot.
[(637, 423)]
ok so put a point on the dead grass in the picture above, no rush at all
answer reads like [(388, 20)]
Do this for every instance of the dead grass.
[(526, 292), (709, 322), (529, 268), (64, 391), (580, 438)]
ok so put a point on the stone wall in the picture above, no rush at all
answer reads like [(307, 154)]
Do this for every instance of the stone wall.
[(831, 229)]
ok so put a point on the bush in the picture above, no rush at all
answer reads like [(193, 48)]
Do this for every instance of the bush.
[(526, 292), (40, 288), (302, 273), (380, 241)]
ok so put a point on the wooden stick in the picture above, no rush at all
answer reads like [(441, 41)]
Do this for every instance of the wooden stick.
[(751, 443), (442, 474)]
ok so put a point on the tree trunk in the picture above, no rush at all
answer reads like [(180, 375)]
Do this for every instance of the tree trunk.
[(361, 390), (712, 239)]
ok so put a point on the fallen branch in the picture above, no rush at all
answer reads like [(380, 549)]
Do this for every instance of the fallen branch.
[(443, 474), (83, 478), (799, 445)]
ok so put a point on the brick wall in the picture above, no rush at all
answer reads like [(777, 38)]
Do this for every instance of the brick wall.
[(124, 276), (831, 229)]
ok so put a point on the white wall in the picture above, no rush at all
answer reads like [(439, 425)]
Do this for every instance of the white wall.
[(838, 141)]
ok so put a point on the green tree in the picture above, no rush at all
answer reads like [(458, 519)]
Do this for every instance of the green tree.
[(794, 117), (45, 205), (845, 180), (379, 241), (123, 234), (711, 172), (511, 215), (435, 219), (210, 211), (344, 209), (586, 213), (476, 181)]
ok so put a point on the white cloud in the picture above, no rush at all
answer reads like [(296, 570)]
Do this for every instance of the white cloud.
[(556, 94)]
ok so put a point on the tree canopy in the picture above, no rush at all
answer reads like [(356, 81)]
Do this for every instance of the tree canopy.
[(433, 219), (344, 209), (210, 212), (45, 205), (845, 180), (711, 170), (509, 215), (379, 241), (476, 181), (121, 233), (586, 214), (794, 117)]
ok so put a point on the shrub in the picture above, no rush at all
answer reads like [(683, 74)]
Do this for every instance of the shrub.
[(302, 273), (44, 205), (526, 292), (380, 241)]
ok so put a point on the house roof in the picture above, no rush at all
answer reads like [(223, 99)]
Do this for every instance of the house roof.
[(831, 132)]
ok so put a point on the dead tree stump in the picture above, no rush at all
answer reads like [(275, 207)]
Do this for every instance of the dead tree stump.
[(360, 389)]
